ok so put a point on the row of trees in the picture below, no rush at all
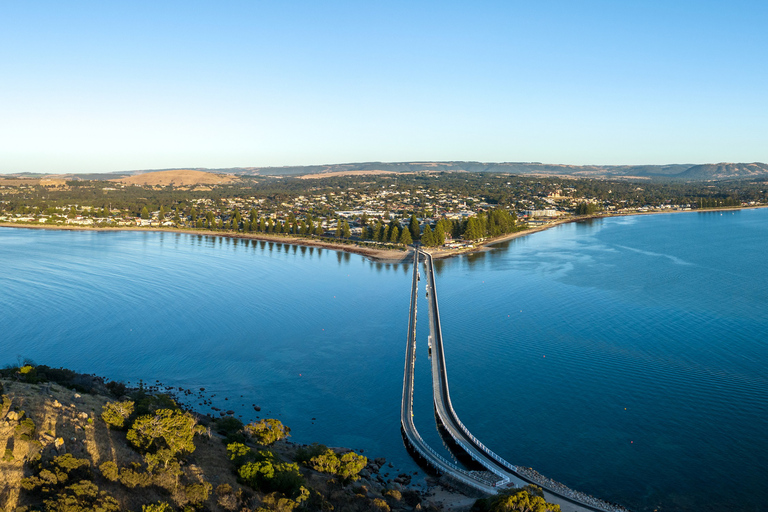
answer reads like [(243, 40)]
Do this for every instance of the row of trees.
[(493, 223), (717, 202), (392, 233), (586, 208)]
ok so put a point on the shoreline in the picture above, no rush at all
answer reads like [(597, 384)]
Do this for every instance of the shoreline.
[(483, 246), (376, 255)]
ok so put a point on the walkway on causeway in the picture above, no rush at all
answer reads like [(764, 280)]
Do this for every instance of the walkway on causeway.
[(500, 473), (411, 435)]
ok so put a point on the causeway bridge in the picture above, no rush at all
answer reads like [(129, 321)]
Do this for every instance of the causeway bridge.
[(498, 474)]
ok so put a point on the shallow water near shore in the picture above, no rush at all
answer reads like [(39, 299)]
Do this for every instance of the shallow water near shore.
[(624, 357)]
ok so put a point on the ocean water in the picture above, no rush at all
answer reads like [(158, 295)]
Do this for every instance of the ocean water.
[(624, 357)]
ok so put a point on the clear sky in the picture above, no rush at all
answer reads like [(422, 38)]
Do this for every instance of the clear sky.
[(106, 86)]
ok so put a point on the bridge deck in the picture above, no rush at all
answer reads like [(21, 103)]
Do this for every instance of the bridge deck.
[(440, 464), (568, 499)]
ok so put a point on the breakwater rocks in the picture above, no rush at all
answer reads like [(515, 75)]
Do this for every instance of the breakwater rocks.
[(548, 483)]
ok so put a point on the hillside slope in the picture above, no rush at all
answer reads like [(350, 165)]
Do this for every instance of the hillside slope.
[(724, 170), (178, 178)]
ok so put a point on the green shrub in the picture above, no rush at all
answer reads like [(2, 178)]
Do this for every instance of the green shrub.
[(166, 428), (118, 389), (272, 476), (5, 407), (58, 472), (82, 496), (351, 464), (25, 430), (239, 453), (198, 493), (110, 471), (228, 425), (347, 466), (394, 494), (115, 414), (276, 501), (530, 497), (68, 463), (327, 462), (157, 507), (149, 404), (135, 476), (267, 431), (380, 504), (305, 453)]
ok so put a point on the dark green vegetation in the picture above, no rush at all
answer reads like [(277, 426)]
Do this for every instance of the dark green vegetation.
[(27, 371), (156, 456), (528, 499), (585, 209)]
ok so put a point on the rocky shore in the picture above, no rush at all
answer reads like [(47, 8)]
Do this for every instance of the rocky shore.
[(42, 421)]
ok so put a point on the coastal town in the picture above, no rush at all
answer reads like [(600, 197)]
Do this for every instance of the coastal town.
[(453, 210)]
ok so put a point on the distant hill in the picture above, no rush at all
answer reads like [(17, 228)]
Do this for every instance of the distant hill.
[(724, 171), (469, 166), (178, 178), (201, 176)]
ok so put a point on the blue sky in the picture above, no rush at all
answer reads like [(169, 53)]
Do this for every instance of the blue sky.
[(108, 86)]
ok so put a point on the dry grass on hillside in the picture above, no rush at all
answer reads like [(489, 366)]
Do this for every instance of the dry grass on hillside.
[(179, 178), (58, 413), (68, 422), (18, 182), (343, 173)]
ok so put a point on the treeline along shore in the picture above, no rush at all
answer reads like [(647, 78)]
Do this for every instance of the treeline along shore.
[(377, 215), (385, 253)]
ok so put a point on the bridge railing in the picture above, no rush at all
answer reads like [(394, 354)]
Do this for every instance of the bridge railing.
[(449, 405), (430, 455), (480, 445), (406, 418), (526, 474)]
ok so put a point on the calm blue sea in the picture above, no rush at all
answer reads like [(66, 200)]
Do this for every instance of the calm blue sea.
[(624, 357)]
